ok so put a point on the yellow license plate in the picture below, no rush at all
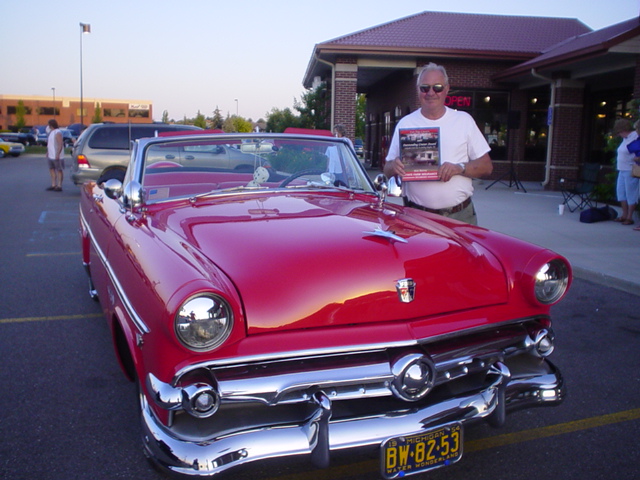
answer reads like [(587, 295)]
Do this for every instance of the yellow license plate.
[(422, 451)]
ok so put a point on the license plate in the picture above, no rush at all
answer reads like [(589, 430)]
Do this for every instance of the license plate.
[(422, 451)]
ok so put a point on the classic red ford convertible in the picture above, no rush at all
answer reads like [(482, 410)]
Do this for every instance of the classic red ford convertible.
[(270, 302)]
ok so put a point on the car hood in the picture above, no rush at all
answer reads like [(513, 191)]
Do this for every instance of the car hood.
[(306, 261)]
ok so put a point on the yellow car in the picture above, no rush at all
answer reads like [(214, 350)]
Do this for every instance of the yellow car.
[(10, 148)]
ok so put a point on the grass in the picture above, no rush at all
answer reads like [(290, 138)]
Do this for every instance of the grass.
[(40, 150)]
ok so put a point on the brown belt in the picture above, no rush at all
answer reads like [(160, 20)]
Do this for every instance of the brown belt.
[(441, 211)]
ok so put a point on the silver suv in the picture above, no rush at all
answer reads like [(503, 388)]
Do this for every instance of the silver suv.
[(107, 146)]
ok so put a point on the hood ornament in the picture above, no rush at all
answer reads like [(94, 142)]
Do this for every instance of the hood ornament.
[(386, 234), (406, 289)]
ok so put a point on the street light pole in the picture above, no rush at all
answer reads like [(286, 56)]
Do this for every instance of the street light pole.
[(53, 89), (236, 107), (85, 28)]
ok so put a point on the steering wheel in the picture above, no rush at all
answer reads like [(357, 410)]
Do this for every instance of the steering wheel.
[(295, 175)]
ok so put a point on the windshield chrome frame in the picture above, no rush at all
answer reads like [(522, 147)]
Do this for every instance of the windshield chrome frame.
[(141, 146)]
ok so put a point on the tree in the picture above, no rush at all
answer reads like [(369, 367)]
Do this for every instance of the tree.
[(235, 123), (314, 108), (165, 117), (279, 120), (21, 111), (200, 121), (97, 115), (217, 121)]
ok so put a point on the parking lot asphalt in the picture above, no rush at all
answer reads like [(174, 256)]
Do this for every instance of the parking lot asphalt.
[(606, 252)]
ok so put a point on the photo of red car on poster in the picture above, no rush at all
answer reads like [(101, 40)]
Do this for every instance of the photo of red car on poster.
[(420, 150)]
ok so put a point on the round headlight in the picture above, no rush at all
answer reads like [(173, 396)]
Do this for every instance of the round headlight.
[(551, 281), (204, 322)]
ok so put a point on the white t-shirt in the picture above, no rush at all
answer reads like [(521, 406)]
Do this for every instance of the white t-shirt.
[(460, 141), (624, 159), (53, 144)]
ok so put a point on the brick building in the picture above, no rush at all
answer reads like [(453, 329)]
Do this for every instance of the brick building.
[(545, 91), (66, 110)]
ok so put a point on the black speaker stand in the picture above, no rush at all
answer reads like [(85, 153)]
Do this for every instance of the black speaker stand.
[(513, 179)]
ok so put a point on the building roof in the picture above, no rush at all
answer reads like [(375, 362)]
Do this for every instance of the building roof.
[(578, 52), (442, 34), (466, 32)]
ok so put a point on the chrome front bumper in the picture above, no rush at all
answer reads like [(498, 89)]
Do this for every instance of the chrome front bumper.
[(519, 385)]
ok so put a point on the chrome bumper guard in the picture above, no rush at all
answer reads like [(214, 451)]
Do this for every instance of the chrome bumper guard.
[(506, 390)]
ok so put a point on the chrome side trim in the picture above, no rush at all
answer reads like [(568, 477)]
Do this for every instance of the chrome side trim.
[(93, 293), (140, 325)]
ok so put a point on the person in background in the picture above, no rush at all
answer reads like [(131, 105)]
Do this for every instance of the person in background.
[(340, 132), (626, 185), (464, 152), (634, 148), (55, 155)]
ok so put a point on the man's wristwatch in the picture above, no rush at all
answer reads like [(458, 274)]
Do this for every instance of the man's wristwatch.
[(464, 167)]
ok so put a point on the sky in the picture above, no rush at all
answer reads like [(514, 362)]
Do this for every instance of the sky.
[(243, 56)]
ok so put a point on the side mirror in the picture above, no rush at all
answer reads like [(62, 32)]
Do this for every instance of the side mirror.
[(130, 196), (133, 195), (388, 186), (395, 187), (380, 182), (113, 188)]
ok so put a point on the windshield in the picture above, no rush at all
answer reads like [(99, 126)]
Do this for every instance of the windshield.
[(188, 166)]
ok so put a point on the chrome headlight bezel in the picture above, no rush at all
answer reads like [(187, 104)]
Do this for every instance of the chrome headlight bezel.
[(203, 322), (551, 281)]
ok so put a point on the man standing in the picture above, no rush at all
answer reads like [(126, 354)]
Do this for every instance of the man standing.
[(55, 155), (462, 150)]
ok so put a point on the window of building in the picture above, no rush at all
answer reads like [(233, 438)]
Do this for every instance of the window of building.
[(138, 113), (490, 110), (537, 126), (114, 112), (48, 111), (604, 109), (12, 110)]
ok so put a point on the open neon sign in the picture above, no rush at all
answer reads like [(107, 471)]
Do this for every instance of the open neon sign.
[(458, 101)]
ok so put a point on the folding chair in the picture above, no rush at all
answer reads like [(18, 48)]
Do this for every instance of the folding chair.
[(583, 194)]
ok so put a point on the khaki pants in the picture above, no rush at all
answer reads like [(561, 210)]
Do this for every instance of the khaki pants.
[(467, 215)]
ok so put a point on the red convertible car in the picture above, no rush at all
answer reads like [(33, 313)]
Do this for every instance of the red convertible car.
[(269, 301)]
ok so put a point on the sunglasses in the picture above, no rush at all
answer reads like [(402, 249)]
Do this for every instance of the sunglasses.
[(437, 88)]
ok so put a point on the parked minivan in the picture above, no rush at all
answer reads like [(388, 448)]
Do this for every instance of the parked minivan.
[(105, 146)]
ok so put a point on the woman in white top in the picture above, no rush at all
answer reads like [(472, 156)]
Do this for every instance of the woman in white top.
[(626, 186)]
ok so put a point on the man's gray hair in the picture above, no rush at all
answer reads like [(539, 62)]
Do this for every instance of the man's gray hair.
[(430, 67)]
